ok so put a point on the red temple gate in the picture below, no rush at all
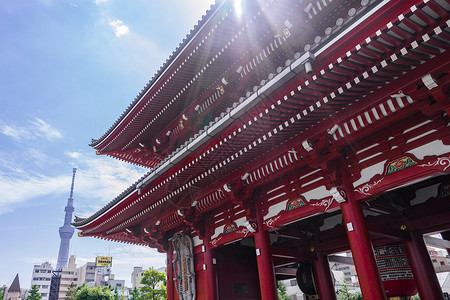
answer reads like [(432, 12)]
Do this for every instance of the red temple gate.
[(285, 134)]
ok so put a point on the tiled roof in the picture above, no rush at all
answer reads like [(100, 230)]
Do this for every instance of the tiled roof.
[(158, 74)]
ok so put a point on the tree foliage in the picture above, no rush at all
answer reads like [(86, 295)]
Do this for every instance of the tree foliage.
[(345, 294), (71, 291), (135, 294), (154, 285), (282, 291), (34, 293), (116, 295), (85, 292)]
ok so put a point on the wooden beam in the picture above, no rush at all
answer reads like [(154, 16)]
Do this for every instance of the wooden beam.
[(381, 230), (341, 260), (282, 262), (286, 271), (431, 223), (292, 253), (332, 245), (295, 235)]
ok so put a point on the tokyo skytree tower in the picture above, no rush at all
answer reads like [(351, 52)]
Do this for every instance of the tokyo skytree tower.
[(66, 231)]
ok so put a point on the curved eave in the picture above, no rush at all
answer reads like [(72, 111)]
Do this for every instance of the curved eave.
[(199, 70), (140, 98), (80, 223), (321, 107), (204, 136)]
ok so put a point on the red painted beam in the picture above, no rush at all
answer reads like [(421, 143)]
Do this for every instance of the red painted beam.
[(292, 253), (286, 271), (381, 230), (281, 262)]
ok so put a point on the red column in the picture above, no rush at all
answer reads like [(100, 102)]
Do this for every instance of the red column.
[(362, 251), (422, 267), (211, 277), (264, 260), (170, 287), (323, 277)]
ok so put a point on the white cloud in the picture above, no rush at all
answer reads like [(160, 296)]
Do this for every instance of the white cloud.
[(101, 1), (74, 155), (46, 130), (120, 29), (98, 180), (17, 190), (36, 128), (17, 133)]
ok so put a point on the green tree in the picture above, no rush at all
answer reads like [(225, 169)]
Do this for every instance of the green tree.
[(135, 294), (154, 285), (415, 297), (34, 293), (116, 295), (71, 291), (84, 292), (282, 291), (345, 294)]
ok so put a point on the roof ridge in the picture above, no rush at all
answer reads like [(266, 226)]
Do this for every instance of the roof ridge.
[(156, 76)]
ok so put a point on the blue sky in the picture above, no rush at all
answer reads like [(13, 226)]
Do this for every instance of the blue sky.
[(68, 69)]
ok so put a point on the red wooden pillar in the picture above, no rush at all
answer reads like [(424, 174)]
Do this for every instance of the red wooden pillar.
[(264, 260), (422, 267), (323, 277), (358, 237), (211, 276), (170, 287)]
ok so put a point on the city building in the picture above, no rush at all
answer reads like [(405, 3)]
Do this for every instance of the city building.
[(86, 274), (69, 277), (102, 275), (13, 292), (113, 283), (136, 277), (440, 260), (41, 277), (344, 263), (280, 133)]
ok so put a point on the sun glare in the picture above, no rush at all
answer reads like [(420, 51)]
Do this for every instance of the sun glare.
[(238, 7)]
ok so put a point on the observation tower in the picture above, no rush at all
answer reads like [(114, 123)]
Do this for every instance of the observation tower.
[(66, 231)]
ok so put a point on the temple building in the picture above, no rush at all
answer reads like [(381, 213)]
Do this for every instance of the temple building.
[(279, 133)]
